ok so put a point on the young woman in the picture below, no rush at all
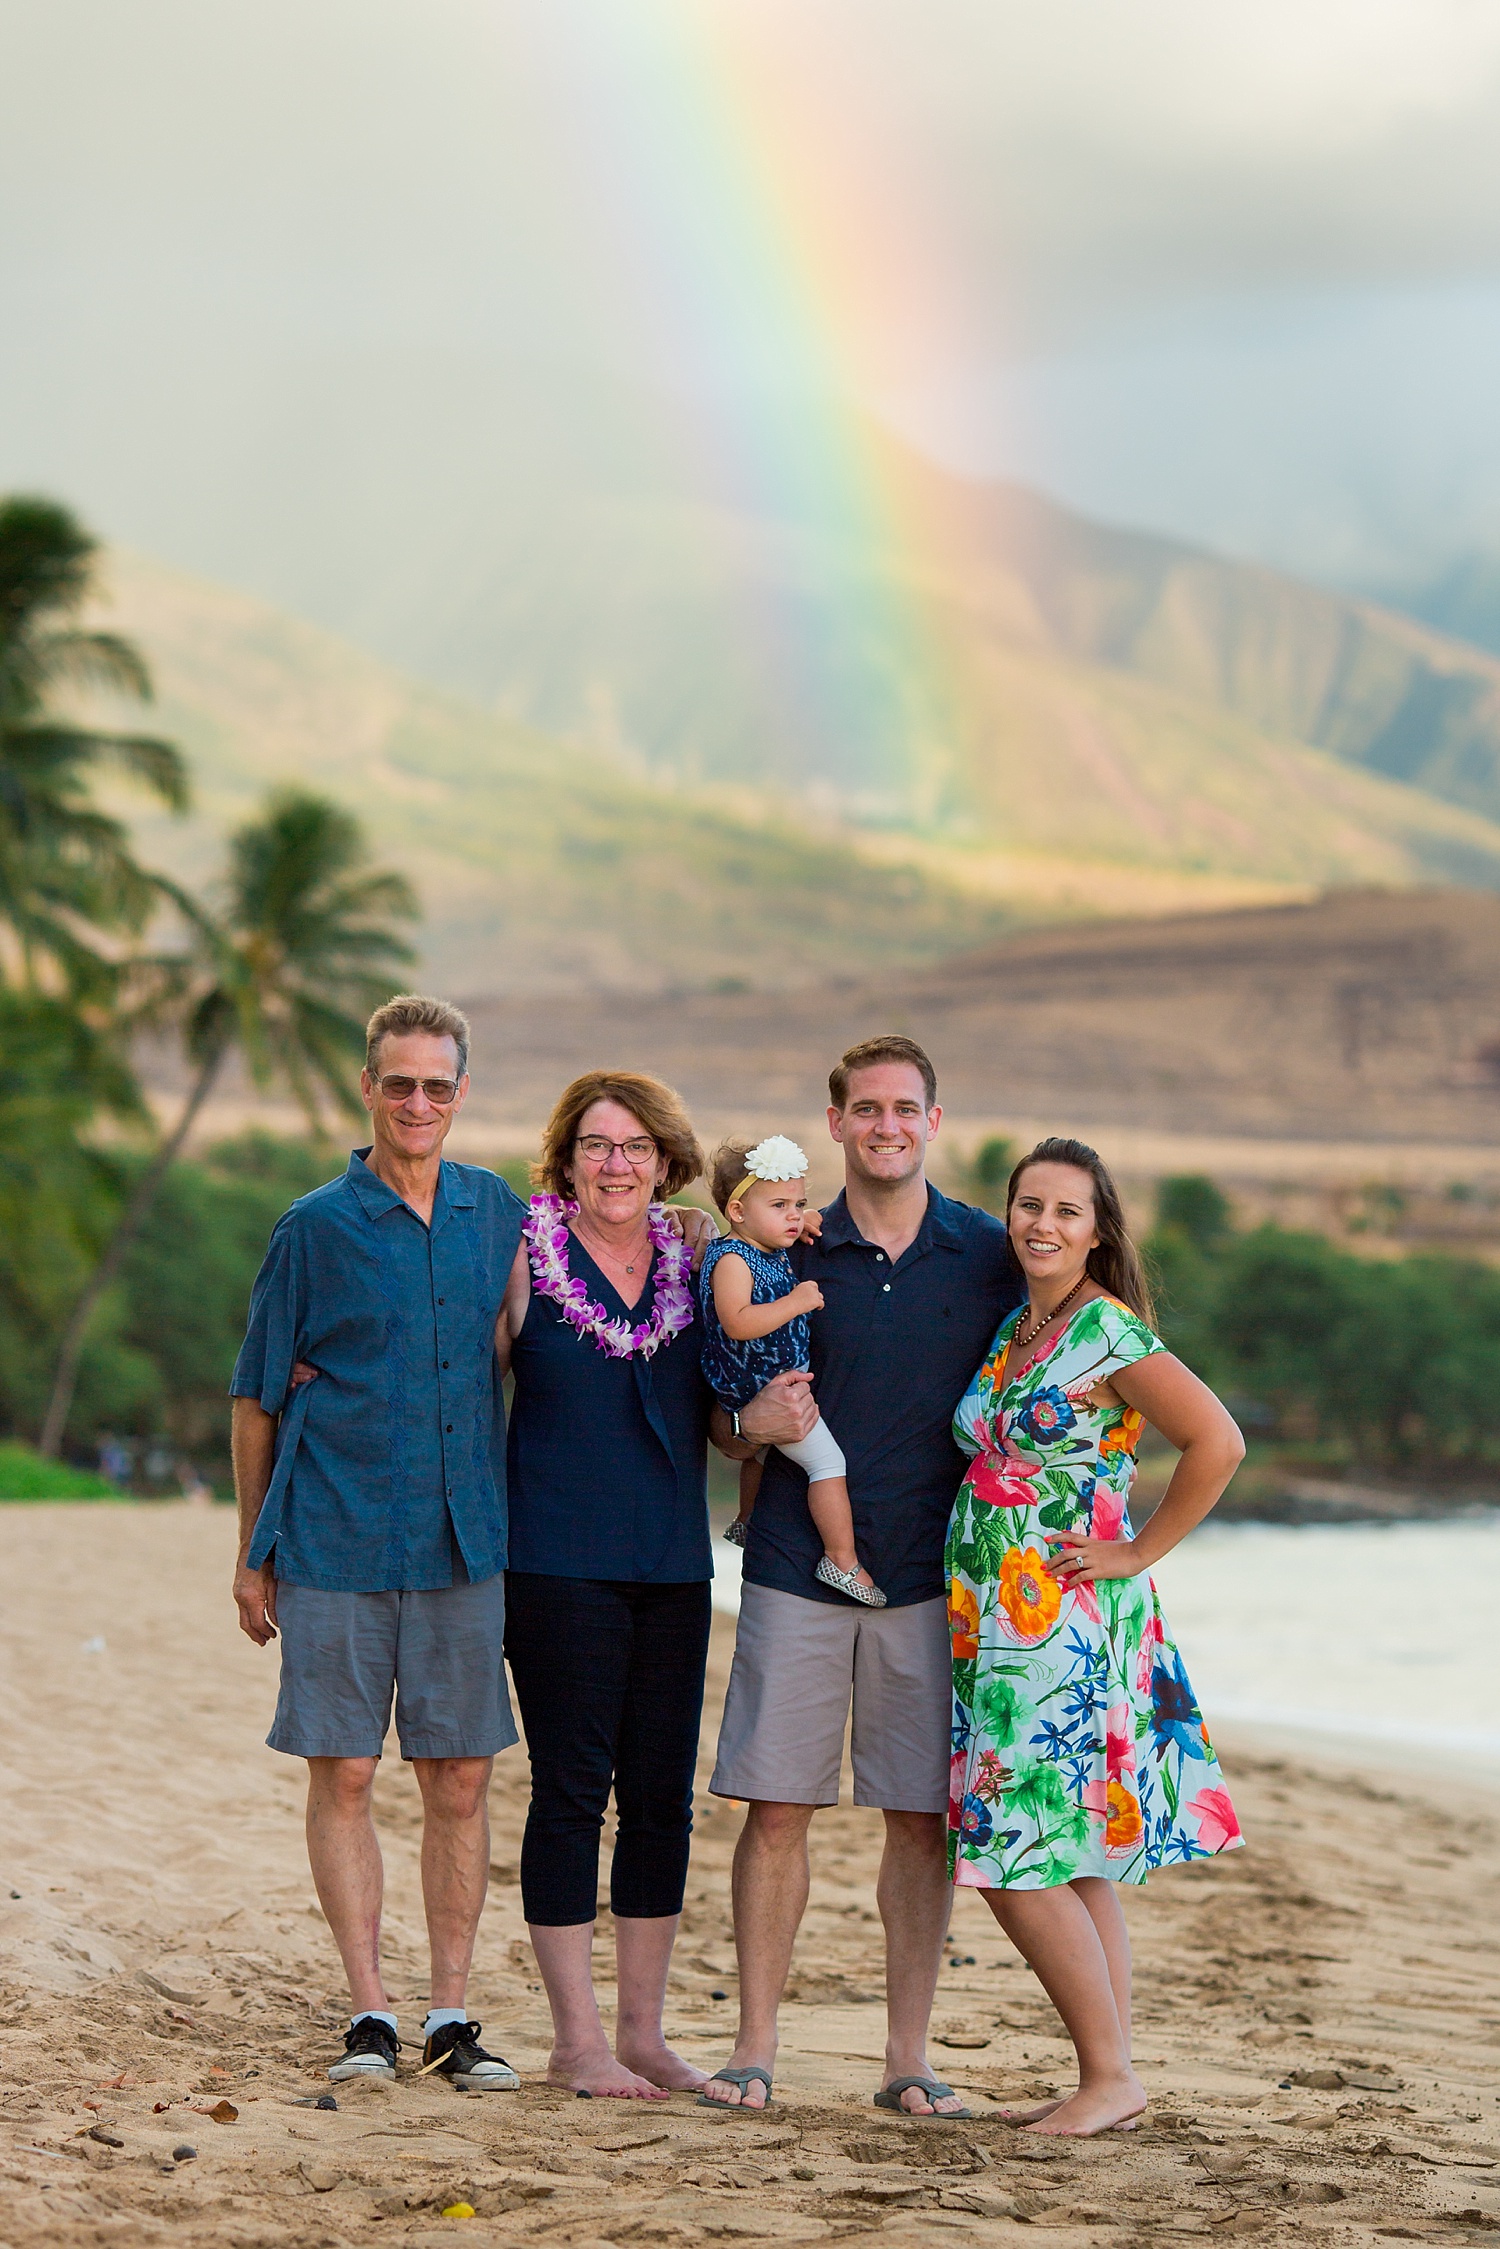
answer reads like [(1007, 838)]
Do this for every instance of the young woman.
[(1080, 1756)]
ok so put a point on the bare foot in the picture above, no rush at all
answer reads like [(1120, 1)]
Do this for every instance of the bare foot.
[(1108, 2106), (661, 2067), (1024, 2116), (601, 2076), (753, 2095)]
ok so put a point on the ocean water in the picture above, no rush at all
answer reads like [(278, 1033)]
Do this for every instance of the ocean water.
[(1362, 1636)]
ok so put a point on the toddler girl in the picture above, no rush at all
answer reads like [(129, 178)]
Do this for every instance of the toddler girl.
[(755, 1326)]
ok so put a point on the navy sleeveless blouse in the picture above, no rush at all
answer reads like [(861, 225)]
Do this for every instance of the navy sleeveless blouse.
[(607, 1460)]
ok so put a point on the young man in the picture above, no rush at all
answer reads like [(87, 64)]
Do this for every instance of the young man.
[(372, 1516), (914, 1287)]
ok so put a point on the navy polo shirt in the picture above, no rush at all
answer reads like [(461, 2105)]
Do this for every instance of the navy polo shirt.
[(390, 1467), (893, 1351)]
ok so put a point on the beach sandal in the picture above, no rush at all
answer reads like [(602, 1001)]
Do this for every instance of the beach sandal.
[(847, 1581), (889, 2097), (755, 2075), (735, 1535)]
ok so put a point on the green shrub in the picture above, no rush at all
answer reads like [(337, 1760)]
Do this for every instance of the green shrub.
[(25, 1475)]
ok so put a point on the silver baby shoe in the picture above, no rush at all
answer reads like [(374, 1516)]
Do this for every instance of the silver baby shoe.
[(847, 1581)]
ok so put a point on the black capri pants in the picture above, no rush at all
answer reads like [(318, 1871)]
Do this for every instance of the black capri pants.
[(609, 1677)]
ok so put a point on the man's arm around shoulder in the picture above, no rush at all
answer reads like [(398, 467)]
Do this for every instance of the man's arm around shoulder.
[(253, 1445)]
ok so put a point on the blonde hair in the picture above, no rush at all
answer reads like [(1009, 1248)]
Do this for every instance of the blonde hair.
[(657, 1109), (415, 1011)]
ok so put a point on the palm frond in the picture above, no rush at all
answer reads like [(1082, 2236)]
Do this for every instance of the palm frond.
[(103, 661), (66, 754)]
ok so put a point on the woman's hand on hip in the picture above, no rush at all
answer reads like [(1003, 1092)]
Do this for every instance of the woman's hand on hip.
[(781, 1414), (1083, 1560)]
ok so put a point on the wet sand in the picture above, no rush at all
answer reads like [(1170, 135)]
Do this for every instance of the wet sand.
[(1319, 2016)]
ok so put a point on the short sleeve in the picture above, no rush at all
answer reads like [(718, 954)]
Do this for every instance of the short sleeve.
[(263, 1369), (1124, 1335)]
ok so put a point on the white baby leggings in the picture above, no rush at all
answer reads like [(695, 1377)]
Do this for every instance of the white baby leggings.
[(819, 1452)]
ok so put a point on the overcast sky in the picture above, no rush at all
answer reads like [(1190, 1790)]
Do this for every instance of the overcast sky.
[(1228, 270)]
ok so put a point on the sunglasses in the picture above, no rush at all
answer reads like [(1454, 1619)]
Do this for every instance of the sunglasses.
[(441, 1092)]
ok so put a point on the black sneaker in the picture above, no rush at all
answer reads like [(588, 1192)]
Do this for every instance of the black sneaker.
[(370, 2050), (453, 2051)]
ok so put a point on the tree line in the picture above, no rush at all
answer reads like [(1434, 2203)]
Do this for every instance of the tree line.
[(125, 1266), (1389, 1364), (112, 1249)]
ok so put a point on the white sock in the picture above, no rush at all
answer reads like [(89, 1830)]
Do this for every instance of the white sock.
[(438, 2016), (372, 2015)]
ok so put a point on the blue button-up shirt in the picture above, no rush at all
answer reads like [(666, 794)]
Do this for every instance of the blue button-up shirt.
[(893, 1351), (390, 1467)]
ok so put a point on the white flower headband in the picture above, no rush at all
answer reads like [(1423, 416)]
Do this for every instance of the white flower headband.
[(773, 1158)]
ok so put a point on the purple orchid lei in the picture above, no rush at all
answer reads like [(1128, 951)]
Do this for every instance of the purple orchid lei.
[(547, 1237)]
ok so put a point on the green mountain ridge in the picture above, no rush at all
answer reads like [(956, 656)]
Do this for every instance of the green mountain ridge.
[(703, 637), (539, 864)]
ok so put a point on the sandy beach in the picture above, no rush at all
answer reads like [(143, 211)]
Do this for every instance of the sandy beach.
[(1319, 2017)]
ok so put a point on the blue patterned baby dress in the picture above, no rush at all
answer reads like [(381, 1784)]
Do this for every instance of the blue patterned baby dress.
[(736, 1371)]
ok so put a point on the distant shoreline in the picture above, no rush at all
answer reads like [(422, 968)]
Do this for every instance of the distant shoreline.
[(1327, 1501)]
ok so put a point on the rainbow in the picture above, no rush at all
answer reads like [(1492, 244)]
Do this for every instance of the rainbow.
[(789, 252)]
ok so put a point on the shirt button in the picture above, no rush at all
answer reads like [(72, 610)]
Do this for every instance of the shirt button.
[(880, 1257), (887, 1289), (445, 1362), (450, 1428)]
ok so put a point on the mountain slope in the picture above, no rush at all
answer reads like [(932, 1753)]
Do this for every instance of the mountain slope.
[(549, 865), (540, 866), (866, 644)]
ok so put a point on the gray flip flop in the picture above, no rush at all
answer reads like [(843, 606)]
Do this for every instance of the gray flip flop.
[(741, 2077), (890, 2097)]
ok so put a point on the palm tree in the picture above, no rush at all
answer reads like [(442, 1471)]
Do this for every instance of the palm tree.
[(285, 971), (67, 873)]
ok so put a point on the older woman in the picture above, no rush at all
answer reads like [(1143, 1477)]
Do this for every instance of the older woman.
[(610, 1566)]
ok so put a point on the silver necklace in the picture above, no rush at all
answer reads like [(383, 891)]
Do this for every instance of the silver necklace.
[(613, 1255)]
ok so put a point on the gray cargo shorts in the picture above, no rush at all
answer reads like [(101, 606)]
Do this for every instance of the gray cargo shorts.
[(798, 1664), (343, 1656)]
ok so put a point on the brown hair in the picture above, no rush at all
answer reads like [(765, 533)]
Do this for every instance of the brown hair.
[(658, 1110), (1116, 1263), (726, 1168), (414, 1011), (890, 1046)]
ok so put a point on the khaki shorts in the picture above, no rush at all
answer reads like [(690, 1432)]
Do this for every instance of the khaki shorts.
[(440, 1653), (798, 1664)]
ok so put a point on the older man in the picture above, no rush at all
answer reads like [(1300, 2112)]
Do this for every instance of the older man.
[(372, 1517), (914, 1286)]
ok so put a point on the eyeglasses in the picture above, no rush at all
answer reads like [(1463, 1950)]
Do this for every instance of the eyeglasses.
[(441, 1092), (595, 1149)]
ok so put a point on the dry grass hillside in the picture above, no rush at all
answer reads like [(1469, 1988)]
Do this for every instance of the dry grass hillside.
[(547, 865), (1367, 1017)]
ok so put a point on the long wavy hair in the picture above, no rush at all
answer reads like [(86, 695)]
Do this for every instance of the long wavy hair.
[(1115, 1263)]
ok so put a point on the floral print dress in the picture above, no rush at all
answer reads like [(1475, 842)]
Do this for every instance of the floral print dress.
[(1078, 1744)]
